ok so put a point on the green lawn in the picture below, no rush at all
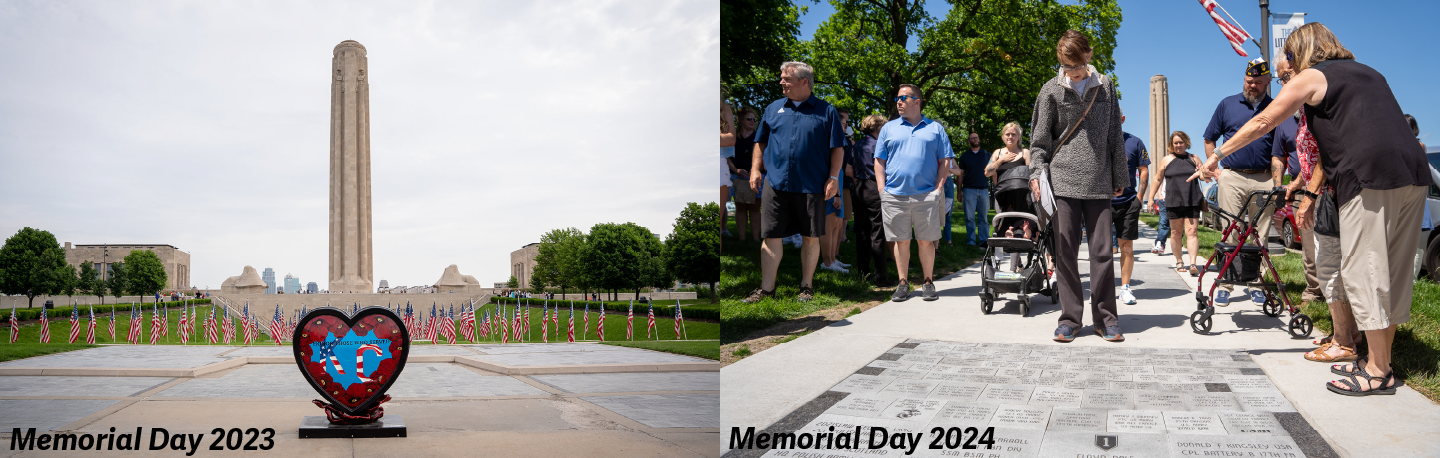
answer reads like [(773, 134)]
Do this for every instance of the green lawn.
[(614, 326), (60, 328), (708, 349), (9, 351), (1416, 350), (740, 274)]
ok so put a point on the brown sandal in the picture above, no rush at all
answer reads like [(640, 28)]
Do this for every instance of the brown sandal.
[(1319, 354)]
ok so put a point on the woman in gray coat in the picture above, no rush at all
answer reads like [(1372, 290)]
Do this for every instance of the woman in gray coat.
[(1077, 142)]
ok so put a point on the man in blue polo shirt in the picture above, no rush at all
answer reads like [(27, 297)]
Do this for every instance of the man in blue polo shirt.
[(1125, 208), (912, 156), (800, 146), (1250, 168), (975, 197)]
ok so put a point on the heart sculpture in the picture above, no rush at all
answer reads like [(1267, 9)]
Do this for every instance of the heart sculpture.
[(351, 360)]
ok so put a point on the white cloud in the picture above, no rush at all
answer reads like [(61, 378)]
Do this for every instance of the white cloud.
[(205, 125)]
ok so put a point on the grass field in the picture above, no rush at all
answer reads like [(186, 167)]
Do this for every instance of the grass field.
[(14, 351), (740, 274), (703, 349), (1416, 350)]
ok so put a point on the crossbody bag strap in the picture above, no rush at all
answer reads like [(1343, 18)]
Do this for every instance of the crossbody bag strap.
[(1077, 124)]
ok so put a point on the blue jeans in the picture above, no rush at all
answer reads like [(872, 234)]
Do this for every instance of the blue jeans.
[(1164, 229), (977, 206), (948, 214)]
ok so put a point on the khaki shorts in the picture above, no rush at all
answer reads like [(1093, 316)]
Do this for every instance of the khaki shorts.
[(918, 212), (1379, 231), (1327, 267)]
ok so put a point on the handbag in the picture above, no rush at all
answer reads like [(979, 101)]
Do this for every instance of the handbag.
[(1047, 194), (1327, 215)]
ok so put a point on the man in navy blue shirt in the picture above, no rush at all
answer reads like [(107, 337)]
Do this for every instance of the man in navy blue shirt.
[(976, 190), (800, 146), (1251, 167), (1125, 208)]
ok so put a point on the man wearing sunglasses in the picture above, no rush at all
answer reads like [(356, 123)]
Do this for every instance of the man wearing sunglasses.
[(1252, 167), (800, 146), (912, 158)]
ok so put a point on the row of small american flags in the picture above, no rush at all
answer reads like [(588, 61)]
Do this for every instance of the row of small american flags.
[(506, 323)]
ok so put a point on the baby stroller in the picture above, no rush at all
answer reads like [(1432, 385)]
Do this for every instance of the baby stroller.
[(1242, 267), (1029, 271)]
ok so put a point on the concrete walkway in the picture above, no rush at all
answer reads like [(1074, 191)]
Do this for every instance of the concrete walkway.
[(789, 385)]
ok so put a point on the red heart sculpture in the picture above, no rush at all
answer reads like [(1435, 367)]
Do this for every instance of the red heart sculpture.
[(351, 360)]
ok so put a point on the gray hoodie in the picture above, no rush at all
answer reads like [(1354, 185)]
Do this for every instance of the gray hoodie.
[(1091, 164)]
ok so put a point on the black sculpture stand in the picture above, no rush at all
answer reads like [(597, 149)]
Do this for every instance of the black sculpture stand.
[(319, 427)]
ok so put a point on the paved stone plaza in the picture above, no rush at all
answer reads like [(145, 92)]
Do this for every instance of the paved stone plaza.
[(450, 408), (1059, 401)]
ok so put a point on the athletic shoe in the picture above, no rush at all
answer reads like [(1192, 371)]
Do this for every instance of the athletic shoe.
[(841, 264), (726, 234), (757, 296), (1126, 297), (1064, 334), (805, 295), (1222, 298), (1257, 296), (927, 291), (835, 267), (902, 292), (1111, 333)]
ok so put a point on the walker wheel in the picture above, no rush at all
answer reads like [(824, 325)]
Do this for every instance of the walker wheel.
[(1272, 306), (1054, 293), (1300, 326), (1200, 322), (1024, 305)]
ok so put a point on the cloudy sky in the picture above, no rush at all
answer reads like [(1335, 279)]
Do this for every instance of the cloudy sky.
[(205, 125)]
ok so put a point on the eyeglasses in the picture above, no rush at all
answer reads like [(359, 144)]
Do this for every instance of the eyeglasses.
[(903, 97), (1072, 68), (750, 118)]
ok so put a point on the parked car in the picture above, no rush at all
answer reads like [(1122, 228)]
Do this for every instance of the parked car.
[(1285, 224), (1212, 219), (1428, 253)]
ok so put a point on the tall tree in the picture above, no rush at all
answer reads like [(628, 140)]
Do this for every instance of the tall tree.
[(69, 281), (692, 251), (118, 282), (32, 263), (756, 36), (146, 273), (556, 264), (89, 282), (980, 66), (618, 256), (512, 282)]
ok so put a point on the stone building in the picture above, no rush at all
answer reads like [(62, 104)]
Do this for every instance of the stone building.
[(176, 262), (522, 263), (269, 277)]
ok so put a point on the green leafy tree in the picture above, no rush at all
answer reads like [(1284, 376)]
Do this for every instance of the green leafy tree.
[(556, 263), (32, 264), (692, 251), (89, 282), (146, 273), (619, 257), (69, 281), (756, 36), (512, 283), (118, 282), (980, 66)]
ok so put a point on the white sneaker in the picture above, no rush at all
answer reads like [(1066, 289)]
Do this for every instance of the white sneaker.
[(1126, 297), (834, 267), (841, 264)]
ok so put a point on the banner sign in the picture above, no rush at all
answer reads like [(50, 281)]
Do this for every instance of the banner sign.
[(1281, 25)]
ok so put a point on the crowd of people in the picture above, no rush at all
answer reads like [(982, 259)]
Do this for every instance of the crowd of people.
[(796, 168)]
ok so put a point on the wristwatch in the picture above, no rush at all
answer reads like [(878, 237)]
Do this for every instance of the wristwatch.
[(1306, 193)]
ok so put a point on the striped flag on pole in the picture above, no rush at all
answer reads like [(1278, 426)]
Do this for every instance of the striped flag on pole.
[(134, 335), (1233, 32), (544, 322), (525, 322), (90, 328), (600, 324), (277, 326), (248, 325), (572, 322), (184, 324), (585, 330), (651, 326), (155, 324), (504, 319), (555, 319), (111, 324), (516, 330), (14, 325), (74, 323), (630, 322), (212, 331)]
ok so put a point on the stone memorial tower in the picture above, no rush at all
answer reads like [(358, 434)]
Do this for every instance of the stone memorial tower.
[(1159, 120), (351, 268)]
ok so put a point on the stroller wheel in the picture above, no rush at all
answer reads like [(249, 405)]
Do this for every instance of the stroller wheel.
[(1024, 305), (1054, 293), (1300, 326), (986, 304), (1272, 307), (1200, 322)]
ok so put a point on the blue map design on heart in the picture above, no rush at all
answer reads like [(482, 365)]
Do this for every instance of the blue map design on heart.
[(344, 351)]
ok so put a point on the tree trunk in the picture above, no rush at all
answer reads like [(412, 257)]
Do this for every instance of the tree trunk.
[(712, 293)]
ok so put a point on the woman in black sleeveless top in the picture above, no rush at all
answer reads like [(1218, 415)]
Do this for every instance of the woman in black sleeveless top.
[(1379, 174), (1182, 199)]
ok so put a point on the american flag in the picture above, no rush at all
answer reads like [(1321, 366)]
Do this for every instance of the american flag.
[(74, 323), (651, 326), (504, 319), (571, 334), (155, 324), (228, 326), (544, 319), (409, 319), (249, 326), (585, 330), (44, 326), (277, 326), (516, 327), (679, 319), (111, 324), (555, 319), (165, 323), (212, 329), (1234, 33), (526, 323), (447, 329), (480, 324), (600, 324), (467, 322), (432, 325), (630, 322), (134, 335), (184, 327), (14, 325), (90, 328)]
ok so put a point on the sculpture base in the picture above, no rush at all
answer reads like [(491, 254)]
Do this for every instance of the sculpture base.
[(319, 427)]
